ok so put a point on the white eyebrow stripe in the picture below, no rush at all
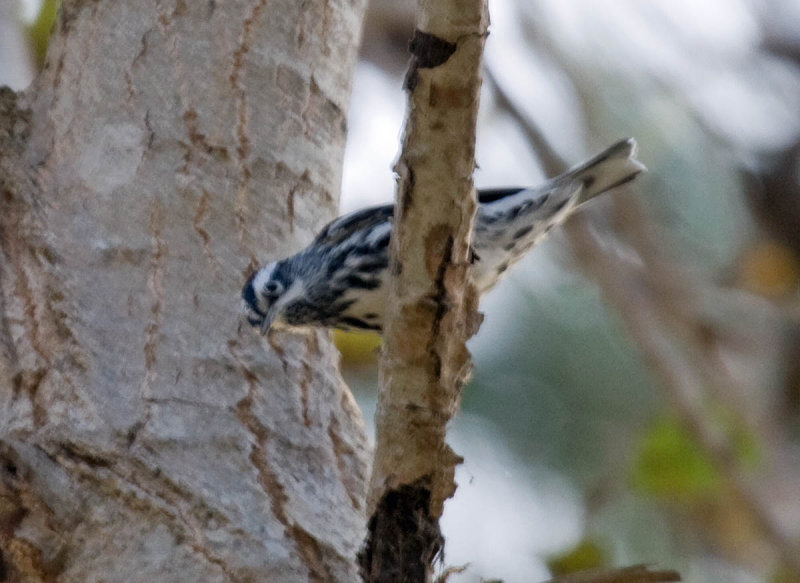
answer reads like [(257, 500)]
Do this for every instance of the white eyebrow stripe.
[(262, 277)]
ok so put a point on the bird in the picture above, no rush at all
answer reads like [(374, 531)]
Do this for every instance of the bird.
[(340, 279)]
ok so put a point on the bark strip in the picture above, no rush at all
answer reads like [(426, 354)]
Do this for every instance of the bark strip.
[(433, 306)]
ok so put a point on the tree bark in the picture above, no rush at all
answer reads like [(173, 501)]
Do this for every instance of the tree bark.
[(432, 310), (167, 148)]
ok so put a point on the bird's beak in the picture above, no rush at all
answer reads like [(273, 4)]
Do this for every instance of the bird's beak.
[(268, 319)]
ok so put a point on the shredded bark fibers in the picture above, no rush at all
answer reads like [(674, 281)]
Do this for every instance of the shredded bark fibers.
[(403, 539)]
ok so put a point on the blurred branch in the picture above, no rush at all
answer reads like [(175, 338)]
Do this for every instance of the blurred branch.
[(678, 375), (677, 300), (656, 303), (387, 27), (675, 292), (773, 192), (633, 574), (782, 46), (552, 163)]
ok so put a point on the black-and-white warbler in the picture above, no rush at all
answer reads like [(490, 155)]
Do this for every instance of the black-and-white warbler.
[(338, 281)]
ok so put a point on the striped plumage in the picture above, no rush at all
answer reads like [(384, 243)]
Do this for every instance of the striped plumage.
[(338, 281)]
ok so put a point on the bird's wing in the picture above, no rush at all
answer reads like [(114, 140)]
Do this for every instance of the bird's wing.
[(340, 229)]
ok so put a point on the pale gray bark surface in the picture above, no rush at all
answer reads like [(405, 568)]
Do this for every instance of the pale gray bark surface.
[(166, 148)]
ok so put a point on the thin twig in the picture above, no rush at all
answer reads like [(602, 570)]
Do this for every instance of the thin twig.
[(552, 163)]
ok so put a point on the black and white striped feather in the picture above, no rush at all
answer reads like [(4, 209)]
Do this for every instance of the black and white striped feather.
[(338, 281)]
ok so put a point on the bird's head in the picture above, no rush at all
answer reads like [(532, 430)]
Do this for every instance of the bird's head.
[(263, 297)]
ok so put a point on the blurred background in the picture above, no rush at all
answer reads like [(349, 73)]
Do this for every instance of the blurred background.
[(636, 391)]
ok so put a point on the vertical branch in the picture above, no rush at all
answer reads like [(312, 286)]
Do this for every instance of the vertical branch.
[(433, 307)]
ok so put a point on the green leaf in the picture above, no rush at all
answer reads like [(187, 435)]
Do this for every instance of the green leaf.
[(39, 30), (670, 465), (587, 554)]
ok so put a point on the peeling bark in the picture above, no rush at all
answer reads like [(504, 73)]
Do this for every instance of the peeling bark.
[(166, 148), (433, 307)]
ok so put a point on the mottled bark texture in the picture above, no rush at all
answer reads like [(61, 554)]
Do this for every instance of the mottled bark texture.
[(433, 307), (167, 147)]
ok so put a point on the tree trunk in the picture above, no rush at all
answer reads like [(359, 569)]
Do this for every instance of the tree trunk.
[(166, 148)]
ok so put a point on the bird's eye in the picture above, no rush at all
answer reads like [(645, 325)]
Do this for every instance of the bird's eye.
[(273, 289)]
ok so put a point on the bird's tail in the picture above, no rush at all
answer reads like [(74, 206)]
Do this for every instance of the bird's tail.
[(611, 168)]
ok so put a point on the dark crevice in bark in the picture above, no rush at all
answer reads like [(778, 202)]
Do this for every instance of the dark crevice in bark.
[(442, 303), (3, 569), (428, 51)]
